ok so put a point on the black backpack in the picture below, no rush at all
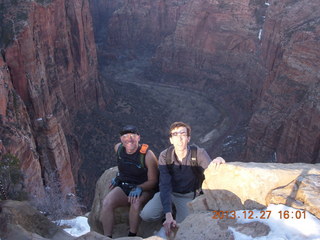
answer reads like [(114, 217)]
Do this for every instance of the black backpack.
[(197, 171)]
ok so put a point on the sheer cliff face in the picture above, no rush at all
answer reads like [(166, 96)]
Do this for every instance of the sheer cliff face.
[(48, 74), (286, 126), (259, 58)]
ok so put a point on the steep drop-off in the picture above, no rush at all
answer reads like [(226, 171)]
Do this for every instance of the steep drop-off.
[(48, 74), (259, 61), (285, 126)]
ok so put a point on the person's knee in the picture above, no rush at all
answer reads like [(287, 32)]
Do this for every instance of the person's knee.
[(108, 203), (145, 216), (149, 215), (136, 206)]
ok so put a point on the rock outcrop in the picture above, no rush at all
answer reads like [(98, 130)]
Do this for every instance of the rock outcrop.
[(48, 74), (19, 221), (249, 185), (231, 187), (235, 186)]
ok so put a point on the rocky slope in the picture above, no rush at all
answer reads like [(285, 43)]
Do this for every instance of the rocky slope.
[(48, 74)]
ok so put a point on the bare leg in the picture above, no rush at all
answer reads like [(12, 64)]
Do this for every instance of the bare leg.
[(115, 198), (135, 208)]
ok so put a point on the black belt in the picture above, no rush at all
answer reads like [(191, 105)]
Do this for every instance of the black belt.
[(184, 192)]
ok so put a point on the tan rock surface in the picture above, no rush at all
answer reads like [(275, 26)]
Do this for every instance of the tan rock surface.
[(302, 193), (238, 185), (202, 226)]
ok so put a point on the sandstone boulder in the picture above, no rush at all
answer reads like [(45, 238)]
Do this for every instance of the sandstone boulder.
[(234, 186), (195, 226), (19, 221), (121, 226), (302, 193), (92, 236)]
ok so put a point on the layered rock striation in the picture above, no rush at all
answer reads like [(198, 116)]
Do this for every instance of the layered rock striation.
[(285, 126), (48, 74)]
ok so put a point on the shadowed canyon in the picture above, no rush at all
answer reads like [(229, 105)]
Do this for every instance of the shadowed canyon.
[(244, 74)]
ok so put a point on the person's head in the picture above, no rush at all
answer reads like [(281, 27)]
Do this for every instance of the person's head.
[(180, 134), (130, 137)]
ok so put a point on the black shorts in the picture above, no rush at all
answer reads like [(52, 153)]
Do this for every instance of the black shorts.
[(127, 187)]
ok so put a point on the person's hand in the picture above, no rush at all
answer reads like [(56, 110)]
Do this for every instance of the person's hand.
[(169, 223), (217, 161), (134, 194), (114, 183)]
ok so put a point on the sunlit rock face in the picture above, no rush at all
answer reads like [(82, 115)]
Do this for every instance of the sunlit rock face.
[(49, 59), (285, 127), (237, 185)]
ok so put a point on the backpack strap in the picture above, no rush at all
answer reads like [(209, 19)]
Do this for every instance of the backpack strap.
[(169, 161), (143, 152), (193, 149), (119, 151), (196, 170)]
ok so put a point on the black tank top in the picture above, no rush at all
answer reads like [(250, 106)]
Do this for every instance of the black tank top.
[(130, 168)]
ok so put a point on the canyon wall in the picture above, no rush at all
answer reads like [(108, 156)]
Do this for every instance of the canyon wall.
[(133, 24), (48, 75), (285, 126)]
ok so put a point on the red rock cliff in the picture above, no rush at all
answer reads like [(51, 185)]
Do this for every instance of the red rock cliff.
[(51, 64), (286, 125)]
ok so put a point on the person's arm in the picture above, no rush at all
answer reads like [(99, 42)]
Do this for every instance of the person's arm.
[(165, 184), (203, 158), (115, 181), (165, 192), (169, 223), (153, 173)]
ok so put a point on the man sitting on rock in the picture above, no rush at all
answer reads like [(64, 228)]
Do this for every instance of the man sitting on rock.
[(135, 181), (180, 178)]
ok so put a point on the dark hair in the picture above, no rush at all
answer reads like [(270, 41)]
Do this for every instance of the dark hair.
[(129, 129), (180, 124)]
